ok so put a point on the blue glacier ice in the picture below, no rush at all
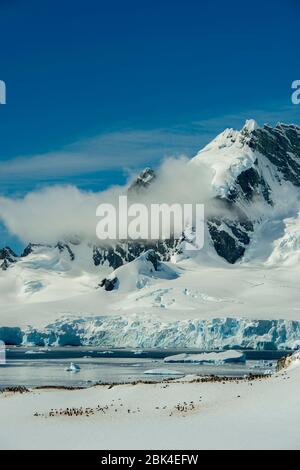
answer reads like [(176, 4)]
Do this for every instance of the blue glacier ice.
[(145, 332)]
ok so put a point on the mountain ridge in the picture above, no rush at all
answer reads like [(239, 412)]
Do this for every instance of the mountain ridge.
[(250, 168)]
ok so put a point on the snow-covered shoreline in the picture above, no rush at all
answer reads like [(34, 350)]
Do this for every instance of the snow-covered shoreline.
[(180, 414)]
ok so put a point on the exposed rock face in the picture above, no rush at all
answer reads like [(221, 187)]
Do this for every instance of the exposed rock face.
[(30, 249), (61, 246), (126, 252), (281, 146), (287, 361), (230, 238), (113, 256), (64, 246), (143, 181), (8, 254), (152, 256), (263, 158), (27, 251), (7, 257), (109, 284), (248, 184), (149, 262)]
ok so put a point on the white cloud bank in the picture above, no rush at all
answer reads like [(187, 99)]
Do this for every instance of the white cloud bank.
[(65, 212)]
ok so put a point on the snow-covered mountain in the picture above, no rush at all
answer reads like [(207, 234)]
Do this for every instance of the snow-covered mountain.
[(240, 290), (139, 273), (256, 172), (7, 257)]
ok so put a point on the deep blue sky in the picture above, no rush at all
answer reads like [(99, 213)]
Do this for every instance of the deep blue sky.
[(114, 85)]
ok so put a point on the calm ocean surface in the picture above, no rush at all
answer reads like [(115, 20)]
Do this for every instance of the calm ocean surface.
[(36, 367)]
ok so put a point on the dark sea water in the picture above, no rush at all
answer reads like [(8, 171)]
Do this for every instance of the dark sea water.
[(37, 367)]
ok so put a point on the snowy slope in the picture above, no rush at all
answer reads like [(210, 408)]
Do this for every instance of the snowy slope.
[(228, 155), (286, 249), (205, 306), (48, 274), (244, 166), (139, 273)]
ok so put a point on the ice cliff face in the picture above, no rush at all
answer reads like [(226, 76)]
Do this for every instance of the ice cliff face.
[(143, 332)]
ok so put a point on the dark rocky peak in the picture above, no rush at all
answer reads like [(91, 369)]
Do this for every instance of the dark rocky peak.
[(127, 251), (61, 246), (154, 258), (31, 247), (143, 181), (8, 256), (112, 282), (27, 251), (230, 237), (249, 184), (5, 265), (109, 284), (281, 146), (65, 247)]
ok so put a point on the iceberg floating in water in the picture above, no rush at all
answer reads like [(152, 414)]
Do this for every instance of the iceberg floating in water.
[(73, 368), (208, 358)]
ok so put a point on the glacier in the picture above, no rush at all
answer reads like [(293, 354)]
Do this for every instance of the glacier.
[(142, 332)]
